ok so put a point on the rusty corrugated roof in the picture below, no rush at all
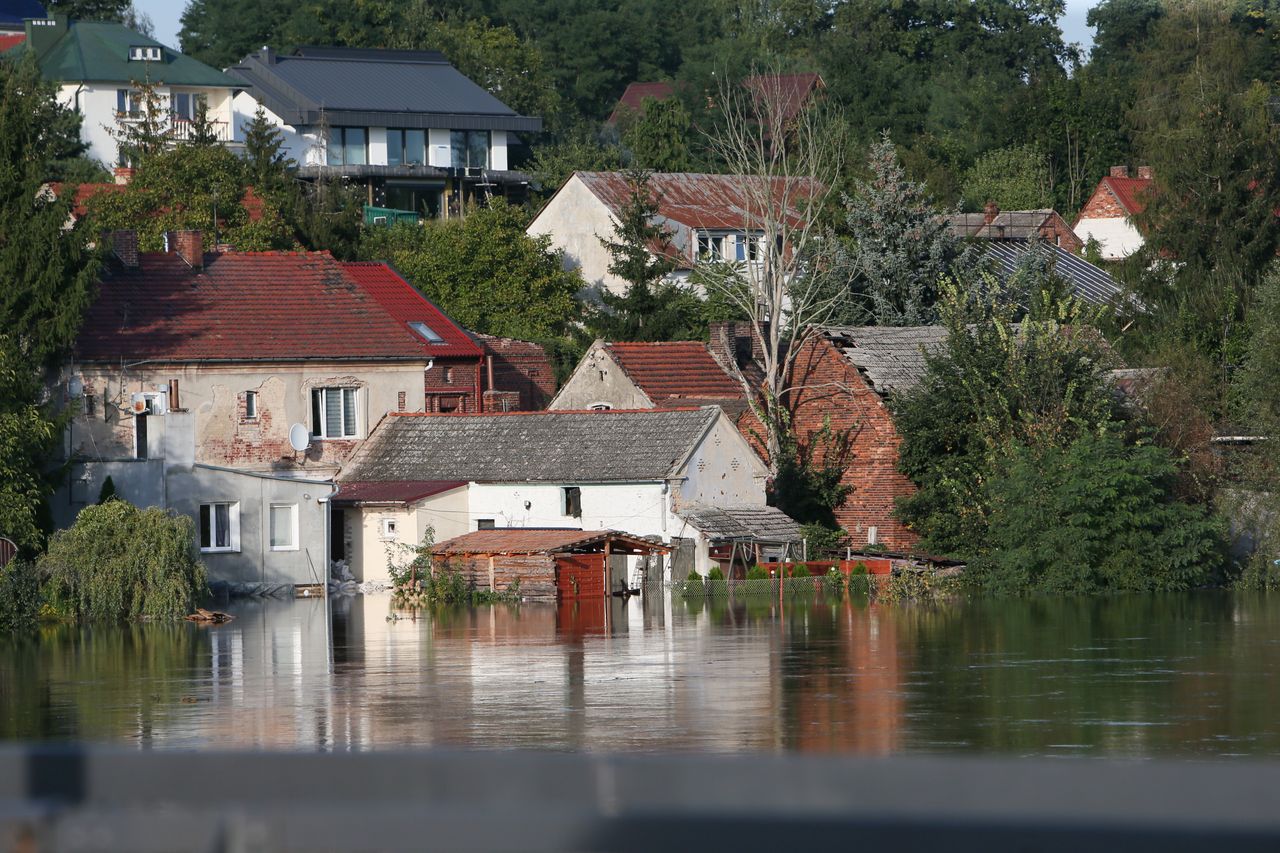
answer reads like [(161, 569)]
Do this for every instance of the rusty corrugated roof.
[(535, 540), (393, 492), (701, 201)]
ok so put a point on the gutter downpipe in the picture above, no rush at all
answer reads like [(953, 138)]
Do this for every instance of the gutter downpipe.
[(328, 539), (480, 384)]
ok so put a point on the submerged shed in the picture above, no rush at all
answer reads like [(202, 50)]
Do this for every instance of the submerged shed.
[(549, 563), (738, 537)]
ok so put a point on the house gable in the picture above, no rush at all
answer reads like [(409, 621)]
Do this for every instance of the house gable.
[(599, 381), (575, 219)]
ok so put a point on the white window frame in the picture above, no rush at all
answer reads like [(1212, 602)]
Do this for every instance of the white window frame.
[(387, 529), (145, 53), (293, 527), (251, 405), (714, 246), (320, 426), (233, 522)]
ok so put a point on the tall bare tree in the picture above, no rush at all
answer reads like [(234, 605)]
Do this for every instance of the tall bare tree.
[(787, 159)]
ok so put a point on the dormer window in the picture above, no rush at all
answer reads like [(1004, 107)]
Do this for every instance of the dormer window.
[(145, 53), (710, 246), (426, 333)]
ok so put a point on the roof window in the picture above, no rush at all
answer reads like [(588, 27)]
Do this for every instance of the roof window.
[(426, 333), (145, 53)]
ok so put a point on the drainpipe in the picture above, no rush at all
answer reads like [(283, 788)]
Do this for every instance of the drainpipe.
[(328, 538), (479, 384)]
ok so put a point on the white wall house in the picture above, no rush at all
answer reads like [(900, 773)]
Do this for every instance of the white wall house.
[(99, 67), (640, 472), (707, 218), (408, 126), (1108, 216)]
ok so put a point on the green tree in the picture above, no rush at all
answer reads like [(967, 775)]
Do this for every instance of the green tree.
[(484, 271), (29, 435), (1015, 178), (581, 149), (222, 32), (658, 138), (145, 131), (119, 562), (898, 245), (267, 166)]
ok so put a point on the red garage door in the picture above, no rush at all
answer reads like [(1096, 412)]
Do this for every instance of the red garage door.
[(580, 576)]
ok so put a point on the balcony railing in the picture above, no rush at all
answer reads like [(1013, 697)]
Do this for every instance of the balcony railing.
[(182, 129)]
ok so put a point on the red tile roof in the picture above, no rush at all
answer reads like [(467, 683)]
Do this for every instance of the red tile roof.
[(255, 306), (8, 41), (632, 99), (537, 540), (677, 369), (84, 192), (792, 91), (1130, 192), (720, 202), (393, 492), (403, 302)]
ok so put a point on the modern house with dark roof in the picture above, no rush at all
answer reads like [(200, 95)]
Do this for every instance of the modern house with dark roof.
[(233, 386), (418, 134), (707, 217), (98, 66), (1107, 216), (641, 472)]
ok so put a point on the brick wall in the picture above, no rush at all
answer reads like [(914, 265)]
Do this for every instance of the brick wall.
[(537, 573), (523, 367), (1103, 204), (451, 382), (1057, 232)]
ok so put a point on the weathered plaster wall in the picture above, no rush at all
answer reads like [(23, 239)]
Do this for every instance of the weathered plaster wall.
[(723, 471), (371, 552), (597, 380), (1117, 236), (575, 220)]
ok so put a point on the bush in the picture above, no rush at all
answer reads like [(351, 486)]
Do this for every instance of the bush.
[(693, 584), (757, 573), (19, 597), (823, 542), (859, 568), (799, 570), (119, 562), (715, 574)]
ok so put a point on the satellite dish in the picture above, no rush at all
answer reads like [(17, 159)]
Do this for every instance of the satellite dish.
[(299, 437)]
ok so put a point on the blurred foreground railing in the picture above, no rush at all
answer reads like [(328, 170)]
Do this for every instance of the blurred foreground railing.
[(113, 800)]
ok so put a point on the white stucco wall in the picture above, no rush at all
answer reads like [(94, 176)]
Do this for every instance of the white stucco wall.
[(439, 152), (498, 151), (1117, 236), (299, 146), (97, 102), (575, 220), (724, 471), (599, 380), (370, 551)]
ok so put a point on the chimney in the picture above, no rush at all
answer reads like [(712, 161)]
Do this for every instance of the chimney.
[(990, 211), (1144, 172), (1119, 171), (124, 245), (123, 174), (43, 33), (190, 247), (734, 344)]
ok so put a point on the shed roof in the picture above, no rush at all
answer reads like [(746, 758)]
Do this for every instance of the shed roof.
[(892, 358), (1005, 225), (259, 306), (98, 51), (1088, 282), (717, 202), (393, 492), (556, 447), (675, 369), (397, 88), (743, 523), (539, 540), (791, 91), (633, 96)]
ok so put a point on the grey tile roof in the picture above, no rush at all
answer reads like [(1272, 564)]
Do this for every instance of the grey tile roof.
[(1007, 224), (759, 523), (1087, 281), (553, 447), (383, 88), (892, 358)]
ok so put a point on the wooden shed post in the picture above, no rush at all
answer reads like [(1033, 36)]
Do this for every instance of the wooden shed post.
[(608, 593), (491, 589)]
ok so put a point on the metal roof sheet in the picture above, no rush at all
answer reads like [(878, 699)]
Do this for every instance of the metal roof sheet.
[(14, 12), (555, 447), (1087, 281), (751, 523), (99, 51), (717, 202), (395, 492), (536, 540)]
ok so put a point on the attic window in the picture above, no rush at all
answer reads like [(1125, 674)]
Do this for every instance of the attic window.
[(144, 53), (426, 333)]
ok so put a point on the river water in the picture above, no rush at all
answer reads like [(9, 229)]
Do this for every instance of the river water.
[(1187, 675)]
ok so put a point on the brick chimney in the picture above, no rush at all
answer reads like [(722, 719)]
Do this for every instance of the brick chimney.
[(1144, 172), (1119, 171), (124, 245), (990, 211), (190, 247), (123, 174)]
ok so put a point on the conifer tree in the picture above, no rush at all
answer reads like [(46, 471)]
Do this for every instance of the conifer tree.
[(658, 137), (202, 133), (266, 163)]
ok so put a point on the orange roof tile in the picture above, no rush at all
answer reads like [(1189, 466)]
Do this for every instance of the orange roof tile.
[(675, 369)]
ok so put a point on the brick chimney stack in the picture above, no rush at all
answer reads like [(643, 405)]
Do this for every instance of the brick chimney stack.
[(123, 174), (1119, 171), (1144, 172), (124, 245), (990, 211), (190, 247)]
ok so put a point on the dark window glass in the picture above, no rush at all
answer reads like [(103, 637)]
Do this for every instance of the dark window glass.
[(573, 501), (484, 524), (140, 433), (395, 147), (415, 147), (206, 530), (354, 149)]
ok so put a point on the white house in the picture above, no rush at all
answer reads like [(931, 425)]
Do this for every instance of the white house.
[(1107, 216), (707, 217), (417, 133), (647, 473), (98, 67)]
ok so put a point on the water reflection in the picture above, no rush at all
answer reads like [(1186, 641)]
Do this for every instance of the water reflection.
[(1139, 675)]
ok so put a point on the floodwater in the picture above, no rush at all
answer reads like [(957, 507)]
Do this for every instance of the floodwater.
[(1186, 675)]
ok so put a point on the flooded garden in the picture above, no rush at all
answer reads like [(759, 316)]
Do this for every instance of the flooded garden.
[(1192, 674)]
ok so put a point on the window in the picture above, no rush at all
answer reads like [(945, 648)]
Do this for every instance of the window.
[(219, 527), (447, 375), (426, 333), (144, 53), (250, 404), (406, 147), (484, 524), (186, 105), (348, 146), (469, 149), (572, 501), (447, 405), (284, 527), (600, 407), (89, 405), (747, 247), (140, 436), (128, 103), (710, 247), (388, 528), (333, 412)]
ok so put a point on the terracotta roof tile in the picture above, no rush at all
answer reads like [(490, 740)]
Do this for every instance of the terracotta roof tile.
[(1130, 192), (632, 99), (254, 306), (676, 369), (407, 305)]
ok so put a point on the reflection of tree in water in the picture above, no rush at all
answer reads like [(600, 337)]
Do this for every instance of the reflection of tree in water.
[(99, 682)]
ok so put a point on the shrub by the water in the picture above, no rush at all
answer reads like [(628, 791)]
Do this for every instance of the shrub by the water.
[(799, 570), (757, 573), (19, 597), (715, 574), (120, 562)]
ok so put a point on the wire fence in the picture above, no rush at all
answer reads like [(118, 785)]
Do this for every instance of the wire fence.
[(831, 585)]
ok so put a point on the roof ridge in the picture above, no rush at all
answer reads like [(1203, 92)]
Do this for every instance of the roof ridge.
[(592, 412)]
